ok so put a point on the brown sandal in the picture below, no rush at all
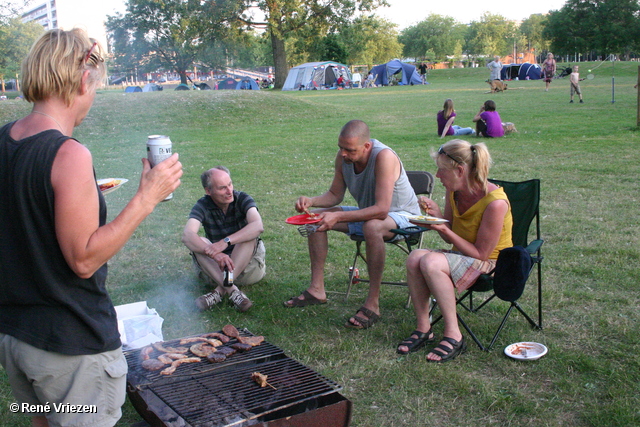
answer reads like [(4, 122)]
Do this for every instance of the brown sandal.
[(363, 323), (308, 300)]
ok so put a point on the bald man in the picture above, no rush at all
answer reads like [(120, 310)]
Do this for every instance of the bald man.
[(375, 177), (232, 225)]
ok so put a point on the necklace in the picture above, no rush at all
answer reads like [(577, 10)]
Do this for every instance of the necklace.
[(45, 114)]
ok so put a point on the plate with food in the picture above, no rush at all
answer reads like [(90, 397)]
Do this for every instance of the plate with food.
[(107, 185), (303, 219), (425, 219), (526, 350)]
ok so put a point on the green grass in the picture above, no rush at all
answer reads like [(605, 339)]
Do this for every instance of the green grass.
[(281, 145)]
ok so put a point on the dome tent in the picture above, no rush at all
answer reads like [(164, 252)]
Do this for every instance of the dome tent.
[(316, 75), (526, 71), (247, 83), (410, 75), (151, 87)]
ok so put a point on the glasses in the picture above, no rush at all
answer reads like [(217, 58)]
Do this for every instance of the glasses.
[(96, 56), (441, 151)]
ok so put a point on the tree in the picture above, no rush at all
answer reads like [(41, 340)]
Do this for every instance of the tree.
[(16, 39), (285, 19), (595, 26), (171, 32), (493, 35), (371, 40), (437, 34), (532, 28), (10, 9)]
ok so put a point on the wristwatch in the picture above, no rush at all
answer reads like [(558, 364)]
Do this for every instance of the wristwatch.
[(227, 241)]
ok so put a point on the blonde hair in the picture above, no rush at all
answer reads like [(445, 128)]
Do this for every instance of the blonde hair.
[(447, 108), (475, 156), (56, 62)]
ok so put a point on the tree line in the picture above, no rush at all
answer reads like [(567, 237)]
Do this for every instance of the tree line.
[(178, 35)]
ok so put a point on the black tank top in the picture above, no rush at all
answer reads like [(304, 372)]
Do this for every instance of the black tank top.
[(42, 301)]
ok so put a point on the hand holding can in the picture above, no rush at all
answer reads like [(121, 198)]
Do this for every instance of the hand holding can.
[(159, 148)]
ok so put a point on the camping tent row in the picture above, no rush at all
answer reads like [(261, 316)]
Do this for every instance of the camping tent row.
[(316, 75), (384, 72), (149, 87), (524, 71), (245, 83)]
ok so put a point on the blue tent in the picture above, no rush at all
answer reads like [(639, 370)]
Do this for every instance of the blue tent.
[(524, 71), (130, 89), (530, 72), (227, 83), (247, 83), (410, 75)]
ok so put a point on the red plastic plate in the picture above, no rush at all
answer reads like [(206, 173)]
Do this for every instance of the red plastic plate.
[(302, 219)]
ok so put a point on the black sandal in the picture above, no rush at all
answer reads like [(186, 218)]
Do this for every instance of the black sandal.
[(415, 344), (449, 353)]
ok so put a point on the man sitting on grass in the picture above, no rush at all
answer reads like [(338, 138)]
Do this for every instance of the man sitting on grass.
[(375, 177), (232, 247)]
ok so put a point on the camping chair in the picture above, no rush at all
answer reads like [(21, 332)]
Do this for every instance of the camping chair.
[(524, 198), (422, 184)]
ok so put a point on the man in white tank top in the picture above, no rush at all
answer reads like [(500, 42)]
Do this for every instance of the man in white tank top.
[(375, 177)]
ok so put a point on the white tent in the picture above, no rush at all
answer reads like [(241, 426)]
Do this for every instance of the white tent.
[(316, 75)]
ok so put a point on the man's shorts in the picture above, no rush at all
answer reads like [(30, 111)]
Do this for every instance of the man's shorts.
[(355, 228), (253, 273), (256, 268), (94, 385)]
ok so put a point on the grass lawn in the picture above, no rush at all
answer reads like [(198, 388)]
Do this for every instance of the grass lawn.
[(281, 145)]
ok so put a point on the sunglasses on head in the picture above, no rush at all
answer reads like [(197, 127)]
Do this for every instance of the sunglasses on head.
[(441, 151), (97, 57)]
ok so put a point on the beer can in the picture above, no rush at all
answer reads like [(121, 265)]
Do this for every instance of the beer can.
[(158, 149)]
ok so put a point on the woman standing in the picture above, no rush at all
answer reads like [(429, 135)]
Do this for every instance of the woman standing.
[(445, 118), (479, 226), (59, 340), (548, 70)]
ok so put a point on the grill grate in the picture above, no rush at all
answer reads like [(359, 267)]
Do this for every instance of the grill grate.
[(208, 394), (231, 397), (139, 376)]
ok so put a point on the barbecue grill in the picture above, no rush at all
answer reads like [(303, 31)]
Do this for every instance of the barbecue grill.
[(205, 394)]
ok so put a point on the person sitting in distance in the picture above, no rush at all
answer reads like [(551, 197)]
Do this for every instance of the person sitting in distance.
[(488, 121), (445, 118)]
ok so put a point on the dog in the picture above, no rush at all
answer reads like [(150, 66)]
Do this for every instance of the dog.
[(497, 86), (509, 128)]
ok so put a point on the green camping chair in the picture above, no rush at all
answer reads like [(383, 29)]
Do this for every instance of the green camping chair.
[(524, 198), (422, 183)]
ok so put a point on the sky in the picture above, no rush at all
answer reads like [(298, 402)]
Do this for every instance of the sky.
[(406, 13)]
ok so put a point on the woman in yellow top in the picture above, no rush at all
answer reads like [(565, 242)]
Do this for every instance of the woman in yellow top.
[(479, 226)]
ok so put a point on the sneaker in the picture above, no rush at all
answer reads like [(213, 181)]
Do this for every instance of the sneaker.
[(240, 300), (207, 301)]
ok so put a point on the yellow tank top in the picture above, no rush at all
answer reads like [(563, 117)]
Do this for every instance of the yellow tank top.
[(467, 224)]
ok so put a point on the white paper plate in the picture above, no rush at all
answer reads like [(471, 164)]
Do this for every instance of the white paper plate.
[(118, 181), (425, 219), (526, 350)]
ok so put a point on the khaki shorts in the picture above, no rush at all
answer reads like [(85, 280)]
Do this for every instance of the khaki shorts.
[(68, 390), (253, 273), (256, 268)]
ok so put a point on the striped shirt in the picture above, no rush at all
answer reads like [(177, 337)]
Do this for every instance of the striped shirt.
[(218, 225)]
